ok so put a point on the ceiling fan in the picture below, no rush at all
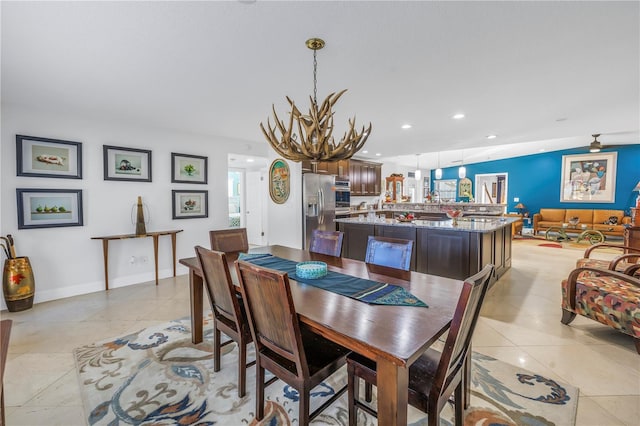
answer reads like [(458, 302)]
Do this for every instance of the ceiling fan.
[(597, 146)]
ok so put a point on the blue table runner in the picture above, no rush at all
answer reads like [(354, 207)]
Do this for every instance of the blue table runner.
[(361, 289)]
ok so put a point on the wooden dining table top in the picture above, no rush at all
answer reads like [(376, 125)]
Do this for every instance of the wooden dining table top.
[(397, 334)]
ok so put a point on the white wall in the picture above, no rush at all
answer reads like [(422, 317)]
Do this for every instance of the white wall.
[(285, 220), (65, 260)]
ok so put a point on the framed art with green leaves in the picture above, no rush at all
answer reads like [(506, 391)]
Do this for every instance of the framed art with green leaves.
[(187, 168)]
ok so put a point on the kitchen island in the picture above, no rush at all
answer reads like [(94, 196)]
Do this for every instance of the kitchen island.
[(440, 247)]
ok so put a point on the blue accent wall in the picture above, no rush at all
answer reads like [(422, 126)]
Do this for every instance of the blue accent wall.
[(535, 179)]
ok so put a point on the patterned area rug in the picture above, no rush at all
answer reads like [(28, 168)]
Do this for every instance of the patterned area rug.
[(158, 377), (540, 241)]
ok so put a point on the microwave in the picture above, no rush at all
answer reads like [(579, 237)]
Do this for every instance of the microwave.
[(343, 194)]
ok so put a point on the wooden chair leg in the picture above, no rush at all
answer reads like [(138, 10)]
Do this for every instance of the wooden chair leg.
[(242, 368), (216, 347), (459, 404), (259, 391), (304, 399), (466, 381), (567, 317), (353, 393)]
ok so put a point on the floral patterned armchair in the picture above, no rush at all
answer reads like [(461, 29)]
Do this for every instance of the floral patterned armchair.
[(609, 297)]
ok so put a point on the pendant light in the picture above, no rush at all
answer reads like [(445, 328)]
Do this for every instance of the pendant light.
[(438, 174), (462, 171), (417, 174)]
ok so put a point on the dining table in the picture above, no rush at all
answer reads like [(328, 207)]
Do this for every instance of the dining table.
[(394, 336)]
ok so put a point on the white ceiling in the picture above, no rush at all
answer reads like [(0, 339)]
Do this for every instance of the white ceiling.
[(536, 74)]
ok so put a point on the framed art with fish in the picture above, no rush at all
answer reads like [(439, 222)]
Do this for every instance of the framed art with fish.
[(49, 208), (44, 157)]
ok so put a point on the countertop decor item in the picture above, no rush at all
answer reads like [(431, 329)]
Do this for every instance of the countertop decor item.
[(454, 214), (311, 269), (315, 140)]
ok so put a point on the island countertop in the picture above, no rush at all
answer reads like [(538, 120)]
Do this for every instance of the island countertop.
[(465, 224)]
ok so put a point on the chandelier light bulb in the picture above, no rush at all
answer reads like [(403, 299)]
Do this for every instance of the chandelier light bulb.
[(462, 172), (438, 173)]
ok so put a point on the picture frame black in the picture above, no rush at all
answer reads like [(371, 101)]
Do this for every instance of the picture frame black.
[(49, 208), (49, 158), (187, 168), (126, 164), (189, 204)]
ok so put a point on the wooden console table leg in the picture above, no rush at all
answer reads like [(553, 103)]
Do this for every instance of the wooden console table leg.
[(105, 255), (173, 249), (155, 255), (196, 294)]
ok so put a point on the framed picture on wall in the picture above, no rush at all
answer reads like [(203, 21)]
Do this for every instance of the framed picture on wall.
[(589, 178), (190, 204), (279, 181), (128, 164), (43, 157), (49, 208), (187, 168)]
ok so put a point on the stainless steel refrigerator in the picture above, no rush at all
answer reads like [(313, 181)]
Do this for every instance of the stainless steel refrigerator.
[(319, 205)]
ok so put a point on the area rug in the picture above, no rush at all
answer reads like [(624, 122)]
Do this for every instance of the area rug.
[(580, 246), (158, 377)]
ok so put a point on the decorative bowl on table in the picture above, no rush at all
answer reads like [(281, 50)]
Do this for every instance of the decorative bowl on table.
[(311, 270)]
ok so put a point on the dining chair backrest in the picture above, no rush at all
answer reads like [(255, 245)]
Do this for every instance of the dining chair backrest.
[(462, 326), (326, 242), (271, 314), (217, 279), (389, 252), (232, 240)]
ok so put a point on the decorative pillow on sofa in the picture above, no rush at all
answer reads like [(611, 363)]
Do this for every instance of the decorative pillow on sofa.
[(613, 220)]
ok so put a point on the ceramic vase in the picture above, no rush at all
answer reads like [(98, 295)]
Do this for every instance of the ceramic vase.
[(18, 284)]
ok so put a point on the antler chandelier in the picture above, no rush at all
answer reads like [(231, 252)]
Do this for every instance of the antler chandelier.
[(314, 140)]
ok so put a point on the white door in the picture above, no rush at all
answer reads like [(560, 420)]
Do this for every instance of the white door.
[(254, 199)]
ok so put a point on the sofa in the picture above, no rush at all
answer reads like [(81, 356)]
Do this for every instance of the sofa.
[(596, 219), (609, 297)]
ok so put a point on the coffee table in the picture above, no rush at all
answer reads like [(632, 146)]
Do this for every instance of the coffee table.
[(593, 236)]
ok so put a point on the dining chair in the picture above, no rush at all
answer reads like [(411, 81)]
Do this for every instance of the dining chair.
[(326, 242), (435, 375), (231, 241), (5, 332), (228, 311), (389, 252), (284, 346)]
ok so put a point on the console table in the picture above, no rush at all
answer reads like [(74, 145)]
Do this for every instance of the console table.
[(154, 235)]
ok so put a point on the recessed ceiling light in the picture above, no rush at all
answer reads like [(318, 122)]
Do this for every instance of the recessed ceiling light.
[(458, 116), (378, 154), (250, 160), (406, 126), (491, 136), (365, 152), (541, 150)]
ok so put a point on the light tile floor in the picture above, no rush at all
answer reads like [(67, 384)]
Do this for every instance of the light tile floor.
[(520, 324)]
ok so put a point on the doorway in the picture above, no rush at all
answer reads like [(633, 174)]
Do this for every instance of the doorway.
[(491, 188), (247, 192)]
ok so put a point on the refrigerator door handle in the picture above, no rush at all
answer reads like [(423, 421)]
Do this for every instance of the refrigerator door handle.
[(321, 206)]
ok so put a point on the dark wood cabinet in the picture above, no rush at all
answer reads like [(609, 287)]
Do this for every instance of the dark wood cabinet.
[(356, 235), (364, 177), (447, 253), (632, 238)]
